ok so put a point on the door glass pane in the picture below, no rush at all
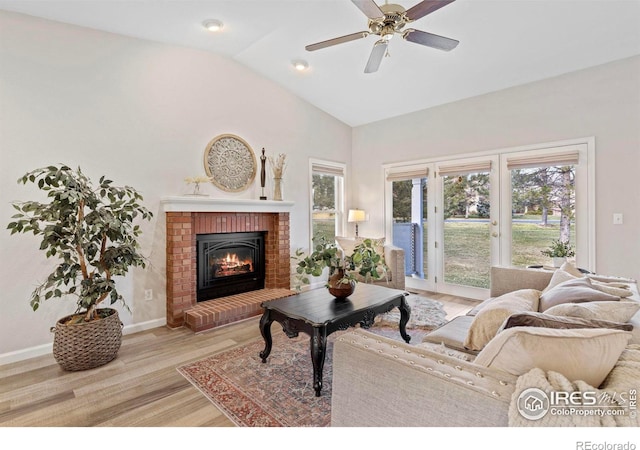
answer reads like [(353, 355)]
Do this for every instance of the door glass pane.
[(543, 211), (324, 206), (409, 199), (466, 228)]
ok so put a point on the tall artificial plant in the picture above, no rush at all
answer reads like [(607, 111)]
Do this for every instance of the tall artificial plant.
[(90, 229)]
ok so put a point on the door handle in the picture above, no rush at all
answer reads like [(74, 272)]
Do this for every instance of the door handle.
[(494, 234)]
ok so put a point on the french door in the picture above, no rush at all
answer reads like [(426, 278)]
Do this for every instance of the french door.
[(467, 232), (457, 218)]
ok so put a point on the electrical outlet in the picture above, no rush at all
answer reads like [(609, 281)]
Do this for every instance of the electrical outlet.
[(148, 294), (617, 219)]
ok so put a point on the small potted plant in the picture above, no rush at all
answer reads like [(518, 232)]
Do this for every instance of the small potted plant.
[(343, 269), (559, 250), (90, 230)]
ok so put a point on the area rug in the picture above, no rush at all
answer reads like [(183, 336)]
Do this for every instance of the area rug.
[(426, 315), (279, 393)]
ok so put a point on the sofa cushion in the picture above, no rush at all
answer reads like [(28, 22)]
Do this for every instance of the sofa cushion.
[(509, 279), (489, 319), (536, 319), (576, 290), (452, 334), (578, 354), (612, 311)]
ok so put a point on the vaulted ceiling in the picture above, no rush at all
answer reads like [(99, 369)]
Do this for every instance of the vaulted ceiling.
[(503, 43)]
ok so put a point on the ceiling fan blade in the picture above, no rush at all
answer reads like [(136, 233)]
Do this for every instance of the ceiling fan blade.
[(425, 7), (378, 52), (369, 7), (336, 41), (430, 40)]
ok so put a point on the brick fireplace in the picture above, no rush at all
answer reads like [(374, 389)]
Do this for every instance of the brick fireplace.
[(187, 217)]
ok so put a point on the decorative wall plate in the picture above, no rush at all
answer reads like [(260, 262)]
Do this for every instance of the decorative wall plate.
[(230, 162)]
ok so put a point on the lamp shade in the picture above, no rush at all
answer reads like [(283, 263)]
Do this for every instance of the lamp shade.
[(356, 215)]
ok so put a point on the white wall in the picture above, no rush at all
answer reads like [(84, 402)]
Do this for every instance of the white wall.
[(603, 101), (141, 113)]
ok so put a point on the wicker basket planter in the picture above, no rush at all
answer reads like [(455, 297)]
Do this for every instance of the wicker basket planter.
[(87, 345)]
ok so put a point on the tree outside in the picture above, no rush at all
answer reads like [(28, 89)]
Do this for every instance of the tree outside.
[(543, 210), (324, 206)]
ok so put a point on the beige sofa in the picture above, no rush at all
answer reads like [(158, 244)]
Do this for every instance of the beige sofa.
[(383, 382), (393, 256)]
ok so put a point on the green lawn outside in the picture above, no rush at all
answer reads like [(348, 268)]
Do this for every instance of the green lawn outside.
[(467, 248), (467, 254), (324, 227)]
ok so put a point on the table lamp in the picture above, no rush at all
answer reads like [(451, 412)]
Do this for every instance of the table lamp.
[(356, 215)]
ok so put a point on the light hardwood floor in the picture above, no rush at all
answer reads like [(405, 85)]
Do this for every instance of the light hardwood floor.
[(140, 388)]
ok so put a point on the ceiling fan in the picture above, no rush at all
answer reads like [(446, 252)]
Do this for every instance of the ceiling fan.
[(386, 21)]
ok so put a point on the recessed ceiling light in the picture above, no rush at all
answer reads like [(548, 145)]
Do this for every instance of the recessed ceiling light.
[(213, 25), (300, 65)]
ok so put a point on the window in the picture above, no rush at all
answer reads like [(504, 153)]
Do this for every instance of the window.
[(458, 217), (549, 200), (409, 197), (464, 227), (327, 199)]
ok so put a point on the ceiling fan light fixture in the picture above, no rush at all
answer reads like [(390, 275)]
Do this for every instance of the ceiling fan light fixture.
[(300, 65), (387, 20), (213, 25)]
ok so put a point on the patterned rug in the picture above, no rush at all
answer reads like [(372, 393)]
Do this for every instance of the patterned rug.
[(426, 315), (279, 393)]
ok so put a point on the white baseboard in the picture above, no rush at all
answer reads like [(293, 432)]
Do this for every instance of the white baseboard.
[(27, 353), (143, 326), (45, 349)]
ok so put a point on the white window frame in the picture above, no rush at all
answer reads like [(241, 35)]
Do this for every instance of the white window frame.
[(338, 169), (585, 204), (585, 201), (485, 164)]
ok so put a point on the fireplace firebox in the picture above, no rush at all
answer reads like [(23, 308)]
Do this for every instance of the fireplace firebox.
[(229, 264)]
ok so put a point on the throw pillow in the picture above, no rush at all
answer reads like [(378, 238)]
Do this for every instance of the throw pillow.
[(571, 270), (377, 243), (579, 354), (487, 322), (612, 311), (618, 289), (346, 244), (536, 319), (576, 290), (558, 277)]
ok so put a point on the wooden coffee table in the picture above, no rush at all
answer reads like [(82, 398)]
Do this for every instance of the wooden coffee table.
[(318, 314)]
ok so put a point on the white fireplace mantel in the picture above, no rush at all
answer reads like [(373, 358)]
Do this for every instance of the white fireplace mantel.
[(195, 203)]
